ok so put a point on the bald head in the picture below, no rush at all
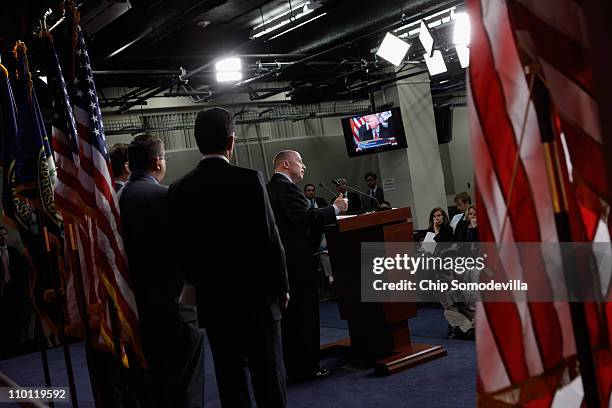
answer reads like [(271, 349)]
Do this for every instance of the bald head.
[(282, 156), (289, 162)]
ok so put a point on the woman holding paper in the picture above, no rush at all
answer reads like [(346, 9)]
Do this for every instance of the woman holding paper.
[(439, 227)]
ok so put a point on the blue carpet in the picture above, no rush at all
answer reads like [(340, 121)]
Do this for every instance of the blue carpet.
[(446, 382)]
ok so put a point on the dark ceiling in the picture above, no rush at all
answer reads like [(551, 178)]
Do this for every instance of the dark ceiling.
[(149, 46)]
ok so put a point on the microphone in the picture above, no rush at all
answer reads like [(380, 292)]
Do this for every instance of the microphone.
[(328, 190), (357, 191)]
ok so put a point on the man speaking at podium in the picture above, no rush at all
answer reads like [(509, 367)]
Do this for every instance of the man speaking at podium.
[(295, 218)]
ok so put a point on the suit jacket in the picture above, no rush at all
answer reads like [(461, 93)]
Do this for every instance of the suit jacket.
[(17, 284), (148, 241), (321, 202), (295, 221), (368, 203), (463, 232), (445, 234), (378, 193), (368, 134), (316, 233), (118, 185), (229, 243)]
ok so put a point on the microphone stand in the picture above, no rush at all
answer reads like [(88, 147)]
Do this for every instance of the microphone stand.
[(363, 194), (328, 190)]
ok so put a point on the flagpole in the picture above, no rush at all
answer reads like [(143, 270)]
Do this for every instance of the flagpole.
[(82, 304), (542, 104), (43, 353), (54, 273)]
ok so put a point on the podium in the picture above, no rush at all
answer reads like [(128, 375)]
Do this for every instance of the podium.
[(379, 332)]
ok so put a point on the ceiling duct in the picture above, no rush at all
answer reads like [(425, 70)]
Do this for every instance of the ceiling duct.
[(95, 15), (379, 15)]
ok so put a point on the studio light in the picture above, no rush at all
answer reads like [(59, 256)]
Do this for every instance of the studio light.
[(228, 64), (228, 69), (461, 37), (426, 38), (461, 31), (435, 63), (393, 49), (463, 53)]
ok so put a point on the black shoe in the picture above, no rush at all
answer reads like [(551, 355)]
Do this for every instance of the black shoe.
[(468, 335), (323, 372)]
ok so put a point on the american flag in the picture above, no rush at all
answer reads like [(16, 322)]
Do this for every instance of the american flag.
[(79, 280), (356, 124), (15, 209), (87, 184), (527, 351)]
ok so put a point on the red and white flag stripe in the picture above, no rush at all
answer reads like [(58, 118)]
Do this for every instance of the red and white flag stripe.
[(522, 343)]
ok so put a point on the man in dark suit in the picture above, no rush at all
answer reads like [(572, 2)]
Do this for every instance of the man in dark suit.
[(354, 199), (314, 202), (118, 155), (234, 257), (12, 292), (310, 193), (375, 130), (373, 191), (295, 219), (172, 343)]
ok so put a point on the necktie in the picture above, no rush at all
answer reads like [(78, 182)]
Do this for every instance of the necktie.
[(376, 135), (5, 264), (312, 203), (371, 193)]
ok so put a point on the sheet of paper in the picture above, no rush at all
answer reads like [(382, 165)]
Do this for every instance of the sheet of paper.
[(429, 244), (342, 217), (429, 237)]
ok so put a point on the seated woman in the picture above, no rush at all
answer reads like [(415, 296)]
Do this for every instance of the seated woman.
[(439, 224), (467, 229)]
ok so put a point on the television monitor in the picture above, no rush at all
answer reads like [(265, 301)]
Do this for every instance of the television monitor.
[(374, 132)]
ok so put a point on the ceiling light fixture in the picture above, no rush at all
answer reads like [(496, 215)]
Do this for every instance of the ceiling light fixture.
[(393, 49), (284, 17)]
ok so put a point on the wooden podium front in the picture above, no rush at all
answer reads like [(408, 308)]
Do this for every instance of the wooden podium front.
[(379, 332)]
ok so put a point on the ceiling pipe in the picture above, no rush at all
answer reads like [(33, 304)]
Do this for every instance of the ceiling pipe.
[(162, 21), (421, 8), (381, 16), (139, 72), (417, 10), (206, 56)]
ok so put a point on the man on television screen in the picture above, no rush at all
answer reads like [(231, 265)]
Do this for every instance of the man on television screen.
[(375, 129)]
